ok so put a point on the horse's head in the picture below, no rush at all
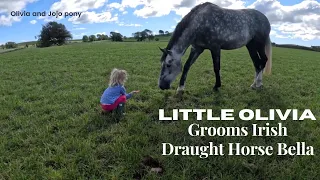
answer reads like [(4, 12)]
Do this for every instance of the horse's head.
[(170, 68)]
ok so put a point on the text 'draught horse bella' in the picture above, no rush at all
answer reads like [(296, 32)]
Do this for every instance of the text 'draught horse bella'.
[(257, 129)]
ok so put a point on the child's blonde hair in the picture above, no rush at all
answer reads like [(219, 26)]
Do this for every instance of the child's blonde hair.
[(118, 77)]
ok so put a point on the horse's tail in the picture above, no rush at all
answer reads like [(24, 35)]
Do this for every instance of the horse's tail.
[(267, 69)]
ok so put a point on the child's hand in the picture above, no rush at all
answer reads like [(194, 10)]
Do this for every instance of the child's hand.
[(134, 92)]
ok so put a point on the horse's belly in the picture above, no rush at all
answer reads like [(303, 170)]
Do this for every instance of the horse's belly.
[(233, 45), (235, 41)]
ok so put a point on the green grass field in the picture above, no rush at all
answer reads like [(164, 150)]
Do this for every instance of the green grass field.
[(51, 126)]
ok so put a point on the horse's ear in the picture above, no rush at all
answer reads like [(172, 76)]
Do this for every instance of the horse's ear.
[(163, 50)]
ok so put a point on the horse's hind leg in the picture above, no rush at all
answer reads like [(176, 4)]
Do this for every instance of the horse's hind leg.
[(259, 59), (262, 63), (216, 66), (194, 54)]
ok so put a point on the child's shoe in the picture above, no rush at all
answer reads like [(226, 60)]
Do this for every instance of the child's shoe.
[(121, 109)]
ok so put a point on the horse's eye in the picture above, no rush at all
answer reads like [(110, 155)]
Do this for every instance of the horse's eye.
[(168, 65)]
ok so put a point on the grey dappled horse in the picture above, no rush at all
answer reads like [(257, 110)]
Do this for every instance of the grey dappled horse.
[(208, 26)]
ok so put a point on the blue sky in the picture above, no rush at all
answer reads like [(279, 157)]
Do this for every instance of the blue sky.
[(128, 16)]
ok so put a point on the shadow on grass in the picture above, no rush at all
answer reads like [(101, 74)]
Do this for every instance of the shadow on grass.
[(99, 122), (266, 98), (8, 51)]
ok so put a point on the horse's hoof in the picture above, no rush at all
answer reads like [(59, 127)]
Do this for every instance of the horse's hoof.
[(216, 88), (180, 92), (255, 87)]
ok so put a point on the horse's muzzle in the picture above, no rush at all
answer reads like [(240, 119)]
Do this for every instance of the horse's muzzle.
[(163, 85)]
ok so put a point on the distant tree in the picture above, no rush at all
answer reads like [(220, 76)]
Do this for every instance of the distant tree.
[(143, 35), (99, 37), (104, 37), (139, 36), (92, 38), (157, 39), (2, 46), (136, 35), (53, 33), (85, 38), (316, 48), (151, 37), (11, 45), (148, 31), (149, 34), (161, 32), (114, 36), (167, 32)]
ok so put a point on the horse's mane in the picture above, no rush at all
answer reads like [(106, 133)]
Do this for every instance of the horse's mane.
[(183, 24)]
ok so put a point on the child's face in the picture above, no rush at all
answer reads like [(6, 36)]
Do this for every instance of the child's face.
[(123, 78)]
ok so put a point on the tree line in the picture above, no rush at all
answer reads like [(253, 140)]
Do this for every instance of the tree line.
[(148, 34), (114, 36), (9, 45), (54, 33)]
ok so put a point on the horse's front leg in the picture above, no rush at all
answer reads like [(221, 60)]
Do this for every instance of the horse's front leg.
[(194, 54), (215, 54)]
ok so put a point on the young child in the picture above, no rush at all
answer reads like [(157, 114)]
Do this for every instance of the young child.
[(115, 96)]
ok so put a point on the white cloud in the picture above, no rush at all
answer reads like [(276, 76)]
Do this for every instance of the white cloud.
[(133, 3), (77, 5), (7, 6), (79, 35), (93, 17), (79, 28), (277, 35), (299, 30), (157, 8), (33, 22), (301, 21), (100, 33), (177, 20), (87, 8), (8, 20), (116, 6), (273, 32), (133, 25), (125, 12)]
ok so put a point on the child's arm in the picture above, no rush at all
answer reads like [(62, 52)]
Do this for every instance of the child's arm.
[(123, 92)]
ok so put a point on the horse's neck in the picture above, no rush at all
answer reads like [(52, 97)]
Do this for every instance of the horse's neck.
[(182, 44)]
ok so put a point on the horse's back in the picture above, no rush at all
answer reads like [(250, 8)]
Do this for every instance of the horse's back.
[(232, 28)]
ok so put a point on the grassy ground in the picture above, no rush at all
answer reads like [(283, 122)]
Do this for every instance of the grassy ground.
[(51, 127)]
